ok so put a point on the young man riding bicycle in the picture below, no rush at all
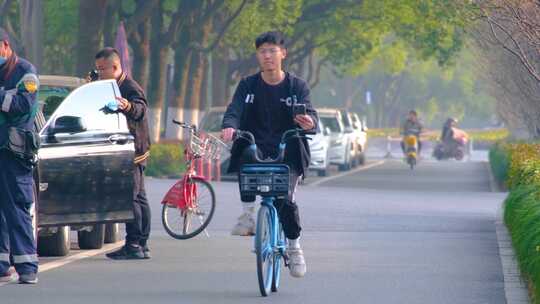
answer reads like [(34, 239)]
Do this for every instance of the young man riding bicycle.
[(264, 104)]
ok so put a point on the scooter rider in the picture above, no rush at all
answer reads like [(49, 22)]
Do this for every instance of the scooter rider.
[(412, 126)]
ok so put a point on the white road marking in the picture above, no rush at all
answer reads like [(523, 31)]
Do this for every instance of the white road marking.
[(73, 258), (366, 167)]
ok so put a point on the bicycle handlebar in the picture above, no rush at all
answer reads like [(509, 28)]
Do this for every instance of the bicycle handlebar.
[(282, 144), (185, 125)]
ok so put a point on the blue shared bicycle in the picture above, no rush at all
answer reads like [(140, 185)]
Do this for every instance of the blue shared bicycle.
[(269, 179)]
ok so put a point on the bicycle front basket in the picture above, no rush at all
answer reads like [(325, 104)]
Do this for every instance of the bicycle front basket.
[(264, 179), (206, 146)]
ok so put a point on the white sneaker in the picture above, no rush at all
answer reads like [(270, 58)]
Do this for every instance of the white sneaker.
[(297, 263), (245, 225), (6, 278)]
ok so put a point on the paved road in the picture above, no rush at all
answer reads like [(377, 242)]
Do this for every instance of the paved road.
[(382, 235)]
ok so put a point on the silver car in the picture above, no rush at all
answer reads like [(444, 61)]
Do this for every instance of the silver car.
[(341, 147), (360, 129), (319, 146)]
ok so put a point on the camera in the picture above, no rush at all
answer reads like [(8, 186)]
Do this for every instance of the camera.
[(93, 74), (299, 109)]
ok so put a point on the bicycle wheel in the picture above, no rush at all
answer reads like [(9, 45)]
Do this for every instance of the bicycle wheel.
[(185, 223), (278, 259), (264, 250)]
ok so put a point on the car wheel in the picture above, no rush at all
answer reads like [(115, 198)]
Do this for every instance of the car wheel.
[(322, 173), (92, 239), (347, 164), (112, 233), (57, 244), (344, 167)]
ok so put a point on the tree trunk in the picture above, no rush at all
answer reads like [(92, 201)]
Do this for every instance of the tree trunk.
[(141, 53), (204, 85), (182, 61), (109, 23), (32, 31), (91, 18), (158, 75), (220, 78), (157, 89), (198, 67), (191, 107)]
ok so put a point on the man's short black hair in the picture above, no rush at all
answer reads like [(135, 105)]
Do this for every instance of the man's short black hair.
[(108, 53), (413, 112), (273, 37)]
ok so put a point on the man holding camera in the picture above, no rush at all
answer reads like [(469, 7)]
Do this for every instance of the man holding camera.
[(133, 105), (18, 147), (268, 104)]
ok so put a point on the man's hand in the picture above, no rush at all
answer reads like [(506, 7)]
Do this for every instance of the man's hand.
[(227, 134), (304, 121), (122, 103)]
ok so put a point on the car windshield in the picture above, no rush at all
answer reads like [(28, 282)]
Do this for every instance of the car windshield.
[(211, 122), (50, 97), (332, 123)]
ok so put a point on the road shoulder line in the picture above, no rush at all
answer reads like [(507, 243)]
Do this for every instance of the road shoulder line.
[(366, 167)]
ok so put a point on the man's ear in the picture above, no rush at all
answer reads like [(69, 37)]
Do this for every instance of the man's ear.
[(284, 53)]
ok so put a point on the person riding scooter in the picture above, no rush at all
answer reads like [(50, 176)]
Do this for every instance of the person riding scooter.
[(453, 141), (412, 126)]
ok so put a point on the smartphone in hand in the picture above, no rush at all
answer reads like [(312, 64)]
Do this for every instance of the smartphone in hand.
[(299, 109)]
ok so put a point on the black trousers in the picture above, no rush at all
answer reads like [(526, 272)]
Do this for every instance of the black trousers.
[(287, 209), (138, 231)]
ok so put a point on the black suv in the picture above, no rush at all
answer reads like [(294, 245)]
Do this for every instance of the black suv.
[(85, 166)]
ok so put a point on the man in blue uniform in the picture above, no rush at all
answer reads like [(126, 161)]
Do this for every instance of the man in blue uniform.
[(18, 145)]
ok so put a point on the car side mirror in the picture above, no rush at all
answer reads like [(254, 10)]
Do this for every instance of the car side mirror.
[(68, 124)]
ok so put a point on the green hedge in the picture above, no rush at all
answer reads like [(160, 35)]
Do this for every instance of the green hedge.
[(517, 165), (499, 162), (522, 217), (166, 160)]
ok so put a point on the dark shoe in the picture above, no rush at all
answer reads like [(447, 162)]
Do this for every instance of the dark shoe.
[(127, 252), (146, 252), (28, 278)]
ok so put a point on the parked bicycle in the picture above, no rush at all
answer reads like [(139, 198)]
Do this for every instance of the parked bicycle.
[(188, 207), (270, 179)]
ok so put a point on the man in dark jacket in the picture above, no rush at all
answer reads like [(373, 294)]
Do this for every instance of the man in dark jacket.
[(263, 104), (18, 87), (133, 105), (412, 126)]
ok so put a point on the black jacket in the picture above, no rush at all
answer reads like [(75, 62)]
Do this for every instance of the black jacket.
[(241, 110), (137, 116), (16, 105)]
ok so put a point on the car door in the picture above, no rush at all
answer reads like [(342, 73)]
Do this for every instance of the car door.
[(86, 160), (336, 137)]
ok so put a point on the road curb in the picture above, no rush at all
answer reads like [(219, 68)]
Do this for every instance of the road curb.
[(515, 288)]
